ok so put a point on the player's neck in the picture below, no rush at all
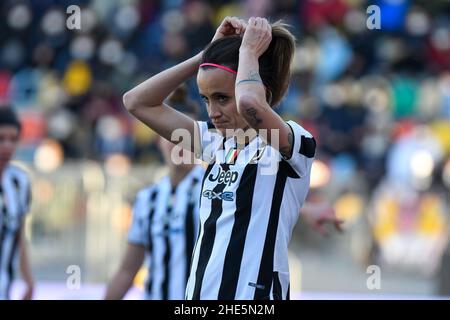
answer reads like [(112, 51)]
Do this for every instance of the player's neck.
[(244, 136)]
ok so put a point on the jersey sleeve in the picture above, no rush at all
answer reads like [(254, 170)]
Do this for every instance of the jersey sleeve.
[(210, 141), (303, 151), (139, 229), (27, 197), (22, 182)]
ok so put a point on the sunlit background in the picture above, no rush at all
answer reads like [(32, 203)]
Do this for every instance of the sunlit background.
[(377, 101)]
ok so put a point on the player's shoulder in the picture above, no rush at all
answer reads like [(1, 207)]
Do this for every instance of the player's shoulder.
[(152, 189), (207, 128), (304, 141), (198, 171), (146, 191), (208, 125), (298, 128), (18, 172)]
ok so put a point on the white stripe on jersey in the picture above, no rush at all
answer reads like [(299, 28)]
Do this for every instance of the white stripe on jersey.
[(247, 214), (167, 226), (14, 204)]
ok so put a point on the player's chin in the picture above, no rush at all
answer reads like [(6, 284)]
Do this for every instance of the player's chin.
[(221, 129)]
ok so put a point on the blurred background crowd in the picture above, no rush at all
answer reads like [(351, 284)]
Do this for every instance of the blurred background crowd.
[(377, 101)]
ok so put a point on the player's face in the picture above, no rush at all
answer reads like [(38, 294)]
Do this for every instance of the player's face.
[(167, 151), (216, 87), (9, 137)]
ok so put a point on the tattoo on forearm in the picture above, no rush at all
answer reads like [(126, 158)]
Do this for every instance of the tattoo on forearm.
[(252, 116), (253, 76), (287, 150)]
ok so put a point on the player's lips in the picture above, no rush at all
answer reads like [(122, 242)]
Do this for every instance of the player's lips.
[(220, 124)]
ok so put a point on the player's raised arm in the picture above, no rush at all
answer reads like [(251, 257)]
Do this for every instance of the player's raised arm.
[(123, 278), (146, 100), (260, 87)]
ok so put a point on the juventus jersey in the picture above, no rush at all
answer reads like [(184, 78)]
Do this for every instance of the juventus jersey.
[(14, 204), (165, 221), (250, 201)]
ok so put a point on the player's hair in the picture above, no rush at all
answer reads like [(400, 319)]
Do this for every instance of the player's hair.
[(9, 117), (274, 64), (179, 100)]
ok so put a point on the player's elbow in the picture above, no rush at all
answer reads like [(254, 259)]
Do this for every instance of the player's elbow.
[(247, 103), (130, 101)]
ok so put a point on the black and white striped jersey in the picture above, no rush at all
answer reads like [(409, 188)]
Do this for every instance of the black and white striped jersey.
[(15, 199), (165, 221), (250, 202)]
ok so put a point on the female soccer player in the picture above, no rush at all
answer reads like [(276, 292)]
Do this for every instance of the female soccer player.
[(14, 204), (259, 165)]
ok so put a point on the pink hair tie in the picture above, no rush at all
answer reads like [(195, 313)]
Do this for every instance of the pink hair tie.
[(207, 64)]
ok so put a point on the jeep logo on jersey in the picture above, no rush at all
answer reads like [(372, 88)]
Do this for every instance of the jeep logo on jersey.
[(225, 196), (227, 177)]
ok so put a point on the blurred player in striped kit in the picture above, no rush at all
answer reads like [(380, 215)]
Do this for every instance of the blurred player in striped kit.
[(15, 198), (164, 226)]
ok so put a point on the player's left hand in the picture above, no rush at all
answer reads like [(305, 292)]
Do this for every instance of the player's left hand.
[(318, 215), (28, 294)]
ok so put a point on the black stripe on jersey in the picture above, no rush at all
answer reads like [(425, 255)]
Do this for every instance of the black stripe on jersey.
[(3, 214), (189, 227), (28, 197), (10, 261), (223, 146), (168, 253), (288, 295), (308, 147), (266, 265), (235, 250), (150, 242), (277, 291), (16, 184), (208, 170), (209, 236), (287, 169)]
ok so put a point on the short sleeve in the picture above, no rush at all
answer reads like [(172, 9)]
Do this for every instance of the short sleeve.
[(22, 183), (210, 141), (303, 151), (138, 232), (27, 198)]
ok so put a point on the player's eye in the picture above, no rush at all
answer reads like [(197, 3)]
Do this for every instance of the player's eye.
[(222, 99)]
